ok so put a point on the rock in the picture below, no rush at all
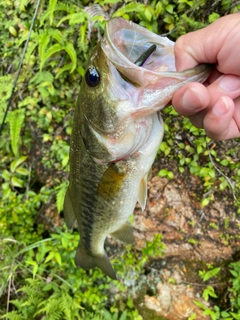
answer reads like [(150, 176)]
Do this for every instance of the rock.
[(193, 235)]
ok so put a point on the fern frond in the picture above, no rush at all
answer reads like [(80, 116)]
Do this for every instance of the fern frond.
[(61, 191), (43, 43), (130, 7), (56, 34), (15, 119), (59, 306), (31, 47), (78, 17), (72, 54), (42, 76), (52, 6), (25, 36), (58, 7), (65, 7), (51, 51), (5, 91), (13, 315), (67, 67)]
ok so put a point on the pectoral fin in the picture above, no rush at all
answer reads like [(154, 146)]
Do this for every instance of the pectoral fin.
[(86, 261), (111, 182), (124, 234), (69, 214)]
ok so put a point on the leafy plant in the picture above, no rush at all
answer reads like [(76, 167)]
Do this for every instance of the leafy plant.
[(38, 277)]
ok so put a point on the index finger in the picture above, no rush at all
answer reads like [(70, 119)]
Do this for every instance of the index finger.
[(218, 43)]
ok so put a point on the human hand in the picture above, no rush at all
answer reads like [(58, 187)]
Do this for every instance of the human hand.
[(214, 106)]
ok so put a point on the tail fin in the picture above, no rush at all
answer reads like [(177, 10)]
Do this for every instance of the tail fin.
[(86, 261)]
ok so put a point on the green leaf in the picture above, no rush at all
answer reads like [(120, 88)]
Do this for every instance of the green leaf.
[(58, 258), (22, 171), (163, 173), (225, 314), (199, 304), (107, 315), (170, 8), (199, 149), (209, 292), (123, 315), (158, 8), (16, 182), (148, 14), (16, 163), (50, 256), (6, 175), (35, 266), (234, 273), (211, 273), (205, 202), (15, 216), (170, 175), (224, 162), (213, 16)]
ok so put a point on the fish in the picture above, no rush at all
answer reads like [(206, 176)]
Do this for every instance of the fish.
[(117, 129)]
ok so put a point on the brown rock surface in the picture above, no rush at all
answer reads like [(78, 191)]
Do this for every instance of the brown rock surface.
[(193, 235)]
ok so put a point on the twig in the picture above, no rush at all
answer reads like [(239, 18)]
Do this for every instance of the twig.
[(201, 284), (19, 68), (234, 4), (203, 216), (231, 184), (9, 294)]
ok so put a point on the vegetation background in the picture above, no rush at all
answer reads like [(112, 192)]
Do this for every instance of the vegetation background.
[(38, 278)]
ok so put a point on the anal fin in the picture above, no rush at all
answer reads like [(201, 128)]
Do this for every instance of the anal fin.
[(124, 234)]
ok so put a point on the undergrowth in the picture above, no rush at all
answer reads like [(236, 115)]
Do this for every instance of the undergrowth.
[(38, 278)]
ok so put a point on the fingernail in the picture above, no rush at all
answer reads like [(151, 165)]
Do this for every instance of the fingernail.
[(229, 83), (191, 99), (221, 107)]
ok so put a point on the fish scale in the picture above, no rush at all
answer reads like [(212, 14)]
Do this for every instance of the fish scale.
[(117, 130)]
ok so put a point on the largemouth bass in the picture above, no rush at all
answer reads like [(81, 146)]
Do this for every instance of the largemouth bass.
[(117, 130)]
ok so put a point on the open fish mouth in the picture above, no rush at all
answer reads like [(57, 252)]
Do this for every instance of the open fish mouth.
[(125, 42)]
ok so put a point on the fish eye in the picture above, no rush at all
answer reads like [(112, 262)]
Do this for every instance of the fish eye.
[(92, 77)]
